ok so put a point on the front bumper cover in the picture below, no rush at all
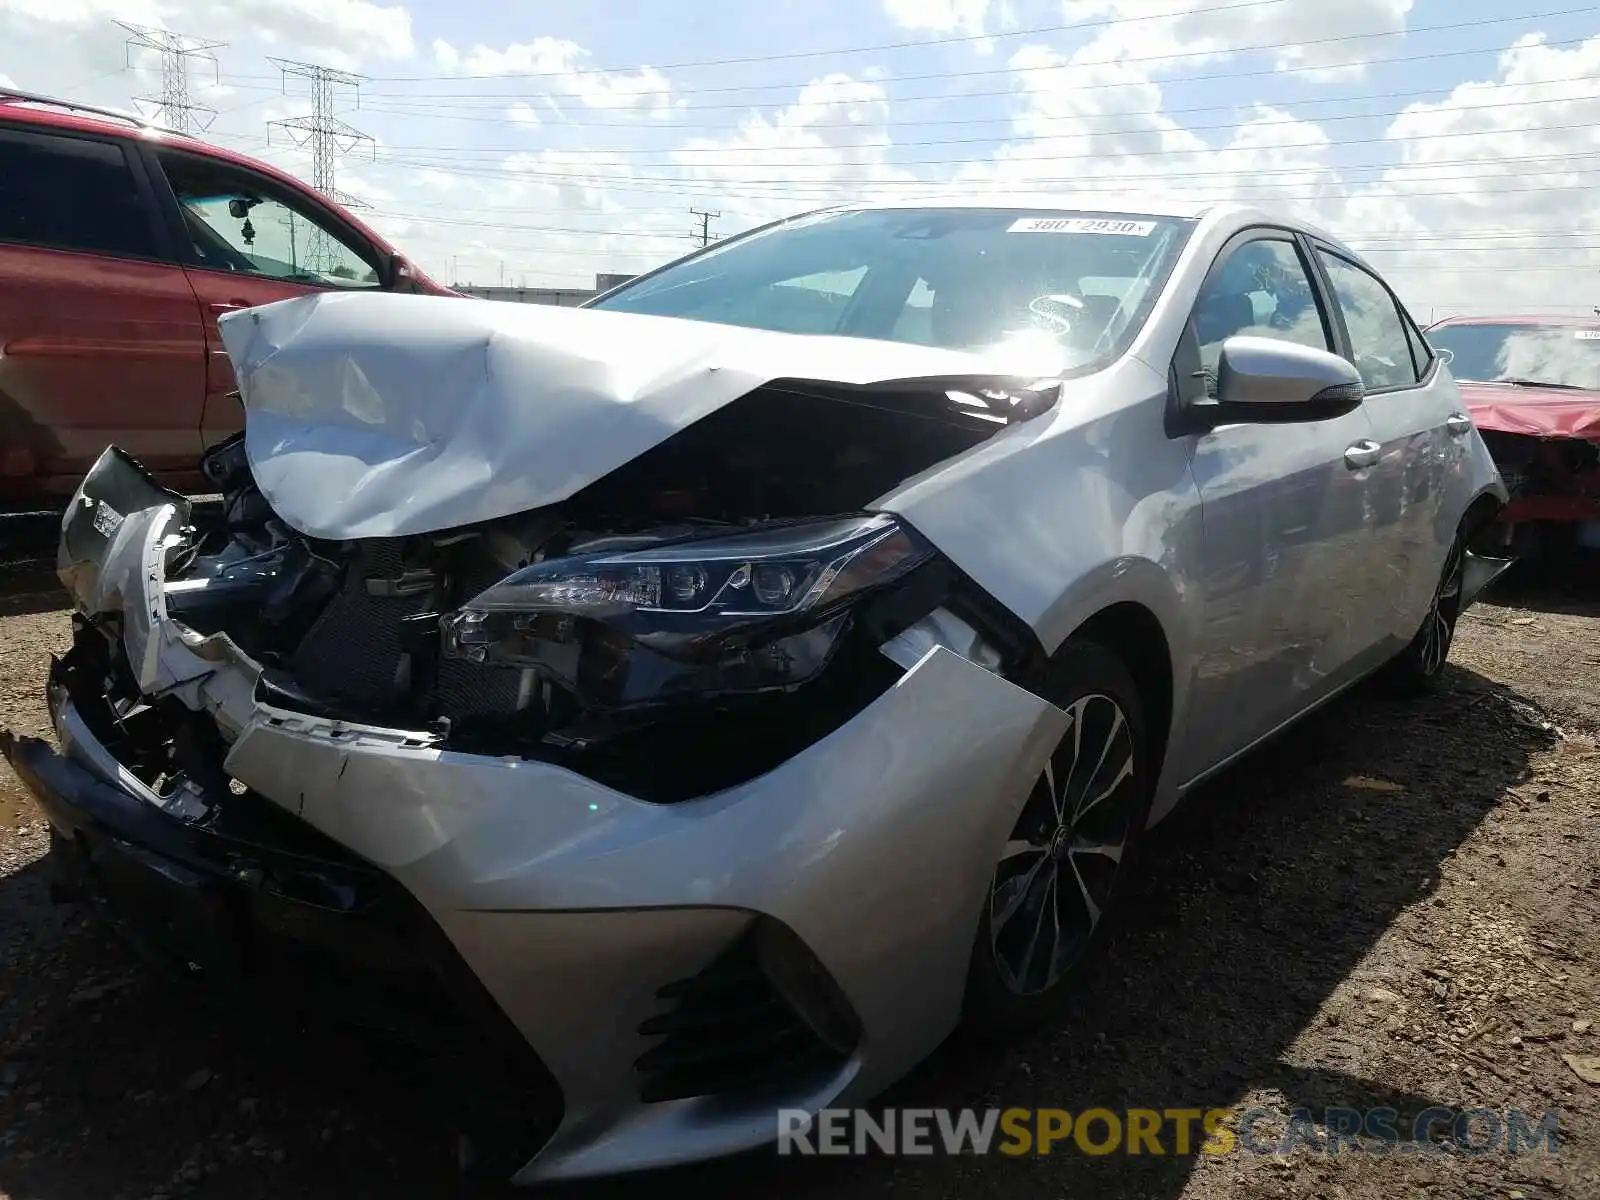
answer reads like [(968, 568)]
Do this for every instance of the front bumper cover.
[(587, 914)]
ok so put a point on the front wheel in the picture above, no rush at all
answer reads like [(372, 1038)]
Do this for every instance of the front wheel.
[(1059, 872), (1416, 668)]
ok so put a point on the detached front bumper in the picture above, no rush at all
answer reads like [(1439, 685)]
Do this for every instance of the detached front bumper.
[(675, 972)]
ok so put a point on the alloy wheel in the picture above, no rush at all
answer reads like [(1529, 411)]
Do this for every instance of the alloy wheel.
[(1056, 874)]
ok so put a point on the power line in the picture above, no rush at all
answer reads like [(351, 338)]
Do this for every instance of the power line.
[(176, 110), (436, 99), (1067, 66), (495, 104), (495, 100), (834, 192), (1037, 30), (767, 161), (1033, 31), (598, 174)]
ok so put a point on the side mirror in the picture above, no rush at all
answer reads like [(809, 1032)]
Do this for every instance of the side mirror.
[(1261, 380), (399, 273)]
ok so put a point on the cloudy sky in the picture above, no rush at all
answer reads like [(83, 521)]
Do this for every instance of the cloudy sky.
[(542, 142)]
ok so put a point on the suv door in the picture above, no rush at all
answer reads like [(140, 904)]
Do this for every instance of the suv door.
[(1286, 555), (100, 337), (247, 240), (1418, 418)]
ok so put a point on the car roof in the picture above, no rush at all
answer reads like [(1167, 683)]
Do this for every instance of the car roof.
[(1569, 322), (54, 114), (22, 108), (1122, 205)]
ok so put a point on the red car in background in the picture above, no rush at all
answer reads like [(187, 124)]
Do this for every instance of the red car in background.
[(120, 243), (1532, 385)]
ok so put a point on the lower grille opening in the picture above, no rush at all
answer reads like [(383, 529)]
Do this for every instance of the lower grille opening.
[(287, 929), (764, 1013)]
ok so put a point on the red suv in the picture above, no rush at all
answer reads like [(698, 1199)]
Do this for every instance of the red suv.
[(119, 245)]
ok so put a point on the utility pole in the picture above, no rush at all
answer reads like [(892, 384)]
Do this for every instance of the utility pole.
[(705, 225), (174, 106)]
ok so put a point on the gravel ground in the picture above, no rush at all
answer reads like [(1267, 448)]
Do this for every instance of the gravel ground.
[(1394, 905)]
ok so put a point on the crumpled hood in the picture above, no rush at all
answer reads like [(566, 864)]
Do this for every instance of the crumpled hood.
[(1534, 412), (381, 415)]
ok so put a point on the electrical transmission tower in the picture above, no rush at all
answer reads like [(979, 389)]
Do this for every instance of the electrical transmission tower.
[(328, 135), (705, 225), (174, 106)]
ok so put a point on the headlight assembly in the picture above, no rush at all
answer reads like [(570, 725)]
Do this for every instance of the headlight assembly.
[(743, 612)]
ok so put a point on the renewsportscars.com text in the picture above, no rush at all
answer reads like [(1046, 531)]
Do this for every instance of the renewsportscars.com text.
[(1163, 1131)]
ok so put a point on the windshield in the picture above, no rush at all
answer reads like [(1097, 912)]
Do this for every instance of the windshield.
[(1076, 284), (1559, 355)]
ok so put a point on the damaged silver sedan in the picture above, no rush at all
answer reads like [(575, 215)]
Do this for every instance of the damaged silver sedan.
[(697, 704)]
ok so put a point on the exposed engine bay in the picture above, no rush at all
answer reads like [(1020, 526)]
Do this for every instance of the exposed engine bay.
[(1555, 491), (359, 631)]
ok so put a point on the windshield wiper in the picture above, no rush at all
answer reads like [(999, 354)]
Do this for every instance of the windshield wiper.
[(1523, 381)]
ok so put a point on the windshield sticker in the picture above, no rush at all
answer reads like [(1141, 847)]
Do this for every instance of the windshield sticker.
[(1082, 225), (1587, 335)]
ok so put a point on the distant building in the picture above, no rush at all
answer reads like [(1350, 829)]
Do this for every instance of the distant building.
[(561, 297)]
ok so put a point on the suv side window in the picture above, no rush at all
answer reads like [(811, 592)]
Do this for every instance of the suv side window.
[(241, 222), (1263, 289), (1380, 344), (71, 193)]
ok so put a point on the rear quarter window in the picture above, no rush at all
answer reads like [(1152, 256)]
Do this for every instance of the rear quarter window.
[(71, 193)]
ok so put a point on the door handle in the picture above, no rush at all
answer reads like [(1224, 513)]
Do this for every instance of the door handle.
[(228, 306), (1364, 453), (1459, 424)]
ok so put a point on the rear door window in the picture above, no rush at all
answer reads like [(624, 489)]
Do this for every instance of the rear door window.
[(1379, 339), (71, 193)]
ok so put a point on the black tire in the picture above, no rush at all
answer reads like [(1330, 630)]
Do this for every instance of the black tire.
[(1416, 669), (1008, 990)]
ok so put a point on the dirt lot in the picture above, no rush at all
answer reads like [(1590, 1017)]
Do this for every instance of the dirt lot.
[(1395, 905)]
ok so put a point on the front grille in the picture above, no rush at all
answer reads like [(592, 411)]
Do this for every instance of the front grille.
[(728, 1029), (355, 648)]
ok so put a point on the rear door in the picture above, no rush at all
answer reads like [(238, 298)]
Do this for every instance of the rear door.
[(1285, 584), (1418, 418), (100, 336), (248, 239)]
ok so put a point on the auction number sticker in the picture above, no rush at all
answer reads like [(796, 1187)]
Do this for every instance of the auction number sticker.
[(1083, 225), (1587, 335)]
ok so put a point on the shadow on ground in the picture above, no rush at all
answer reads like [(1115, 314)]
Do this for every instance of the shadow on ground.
[(30, 587), (1569, 585), (1252, 905)]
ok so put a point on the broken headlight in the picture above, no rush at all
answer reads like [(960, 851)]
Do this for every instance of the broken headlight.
[(745, 612)]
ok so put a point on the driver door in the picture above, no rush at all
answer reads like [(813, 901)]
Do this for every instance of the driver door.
[(1287, 560), (250, 240)]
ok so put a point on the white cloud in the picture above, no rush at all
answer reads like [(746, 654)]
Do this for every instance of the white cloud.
[(341, 33), (1326, 39), (831, 144), (939, 16), (1511, 160), (562, 66)]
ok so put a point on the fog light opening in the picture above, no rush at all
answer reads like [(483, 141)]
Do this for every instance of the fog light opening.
[(805, 986)]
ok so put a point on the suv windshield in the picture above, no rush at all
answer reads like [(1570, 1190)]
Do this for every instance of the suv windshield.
[(1077, 283), (1557, 355)]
